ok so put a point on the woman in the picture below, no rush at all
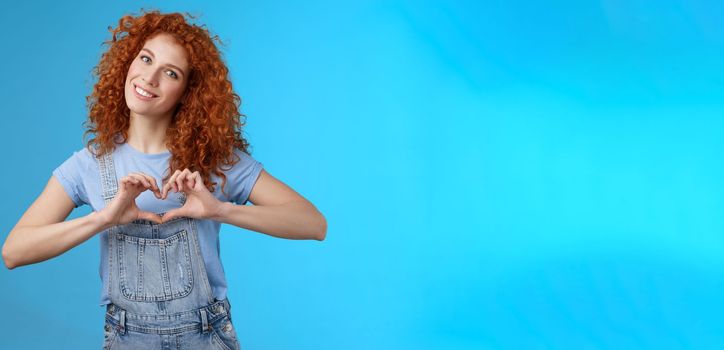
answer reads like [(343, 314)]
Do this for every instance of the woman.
[(162, 111)]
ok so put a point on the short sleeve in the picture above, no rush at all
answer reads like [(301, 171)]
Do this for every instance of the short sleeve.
[(70, 175), (241, 177)]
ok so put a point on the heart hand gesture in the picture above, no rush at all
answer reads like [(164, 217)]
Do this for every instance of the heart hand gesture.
[(122, 209), (200, 203)]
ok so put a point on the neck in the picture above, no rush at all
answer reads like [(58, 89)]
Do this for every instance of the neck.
[(148, 134)]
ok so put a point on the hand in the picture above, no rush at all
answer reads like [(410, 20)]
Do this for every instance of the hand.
[(200, 203), (122, 209)]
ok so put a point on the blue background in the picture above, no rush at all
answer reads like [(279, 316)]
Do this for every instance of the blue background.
[(495, 174)]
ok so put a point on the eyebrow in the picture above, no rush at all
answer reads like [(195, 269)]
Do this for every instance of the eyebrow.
[(168, 64)]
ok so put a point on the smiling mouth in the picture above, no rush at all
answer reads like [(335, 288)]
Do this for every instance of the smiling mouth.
[(143, 92)]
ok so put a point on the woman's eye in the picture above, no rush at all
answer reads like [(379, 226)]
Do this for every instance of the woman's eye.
[(145, 59), (172, 74)]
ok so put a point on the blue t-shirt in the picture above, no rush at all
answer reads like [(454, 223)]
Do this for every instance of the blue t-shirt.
[(80, 177)]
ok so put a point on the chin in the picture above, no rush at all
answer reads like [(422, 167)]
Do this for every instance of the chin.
[(144, 112)]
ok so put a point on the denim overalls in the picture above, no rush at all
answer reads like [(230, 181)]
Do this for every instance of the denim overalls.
[(160, 293)]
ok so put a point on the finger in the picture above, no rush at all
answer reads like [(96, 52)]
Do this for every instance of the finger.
[(179, 181), (174, 213), (141, 180), (129, 179), (169, 184), (197, 178), (144, 183), (164, 189), (154, 185), (132, 182), (131, 186), (150, 216), (124, 184), (191, 181), (181, 178), (152, 181), (129, 183), (172, 181)]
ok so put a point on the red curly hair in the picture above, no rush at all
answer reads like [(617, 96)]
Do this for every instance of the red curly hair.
[(206, 126)]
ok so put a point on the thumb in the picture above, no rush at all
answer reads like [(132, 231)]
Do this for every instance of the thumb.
[(171, 214), (150, 216)]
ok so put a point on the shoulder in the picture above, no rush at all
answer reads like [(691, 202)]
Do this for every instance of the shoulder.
[(85, 159), (75, 173), (243, 155), (241, 176), (79, 160), (243, 162)]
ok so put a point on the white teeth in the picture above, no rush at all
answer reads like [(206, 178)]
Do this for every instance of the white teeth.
[(143, 92)]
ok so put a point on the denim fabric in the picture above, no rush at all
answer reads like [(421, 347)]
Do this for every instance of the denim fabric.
[(158, 285), (79, 177), (209, 327)]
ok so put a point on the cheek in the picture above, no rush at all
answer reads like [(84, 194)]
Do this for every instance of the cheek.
[(176, 92), (132, 69)]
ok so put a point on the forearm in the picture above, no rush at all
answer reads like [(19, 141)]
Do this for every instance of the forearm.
[(32, 244), (295, 220)]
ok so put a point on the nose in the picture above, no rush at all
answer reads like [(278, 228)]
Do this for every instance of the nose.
[(150, 80), (150, 77)]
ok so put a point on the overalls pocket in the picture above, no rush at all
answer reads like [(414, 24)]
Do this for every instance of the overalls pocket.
[(154, 269), (225, 334)]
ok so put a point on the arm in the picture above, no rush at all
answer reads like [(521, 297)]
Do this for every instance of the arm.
[(277, 211), (41, 233)]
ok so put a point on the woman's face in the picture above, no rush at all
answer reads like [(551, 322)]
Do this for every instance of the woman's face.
[(157, 77)]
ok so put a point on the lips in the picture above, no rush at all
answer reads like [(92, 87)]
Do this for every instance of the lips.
[(143, 94)]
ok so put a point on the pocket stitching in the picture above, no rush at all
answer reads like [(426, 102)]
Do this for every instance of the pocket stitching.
[(218, 329), (109, 337), (182, 237), (218, 340)]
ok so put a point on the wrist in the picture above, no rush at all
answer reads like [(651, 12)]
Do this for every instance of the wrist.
[(221, 212), (99, 220)]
